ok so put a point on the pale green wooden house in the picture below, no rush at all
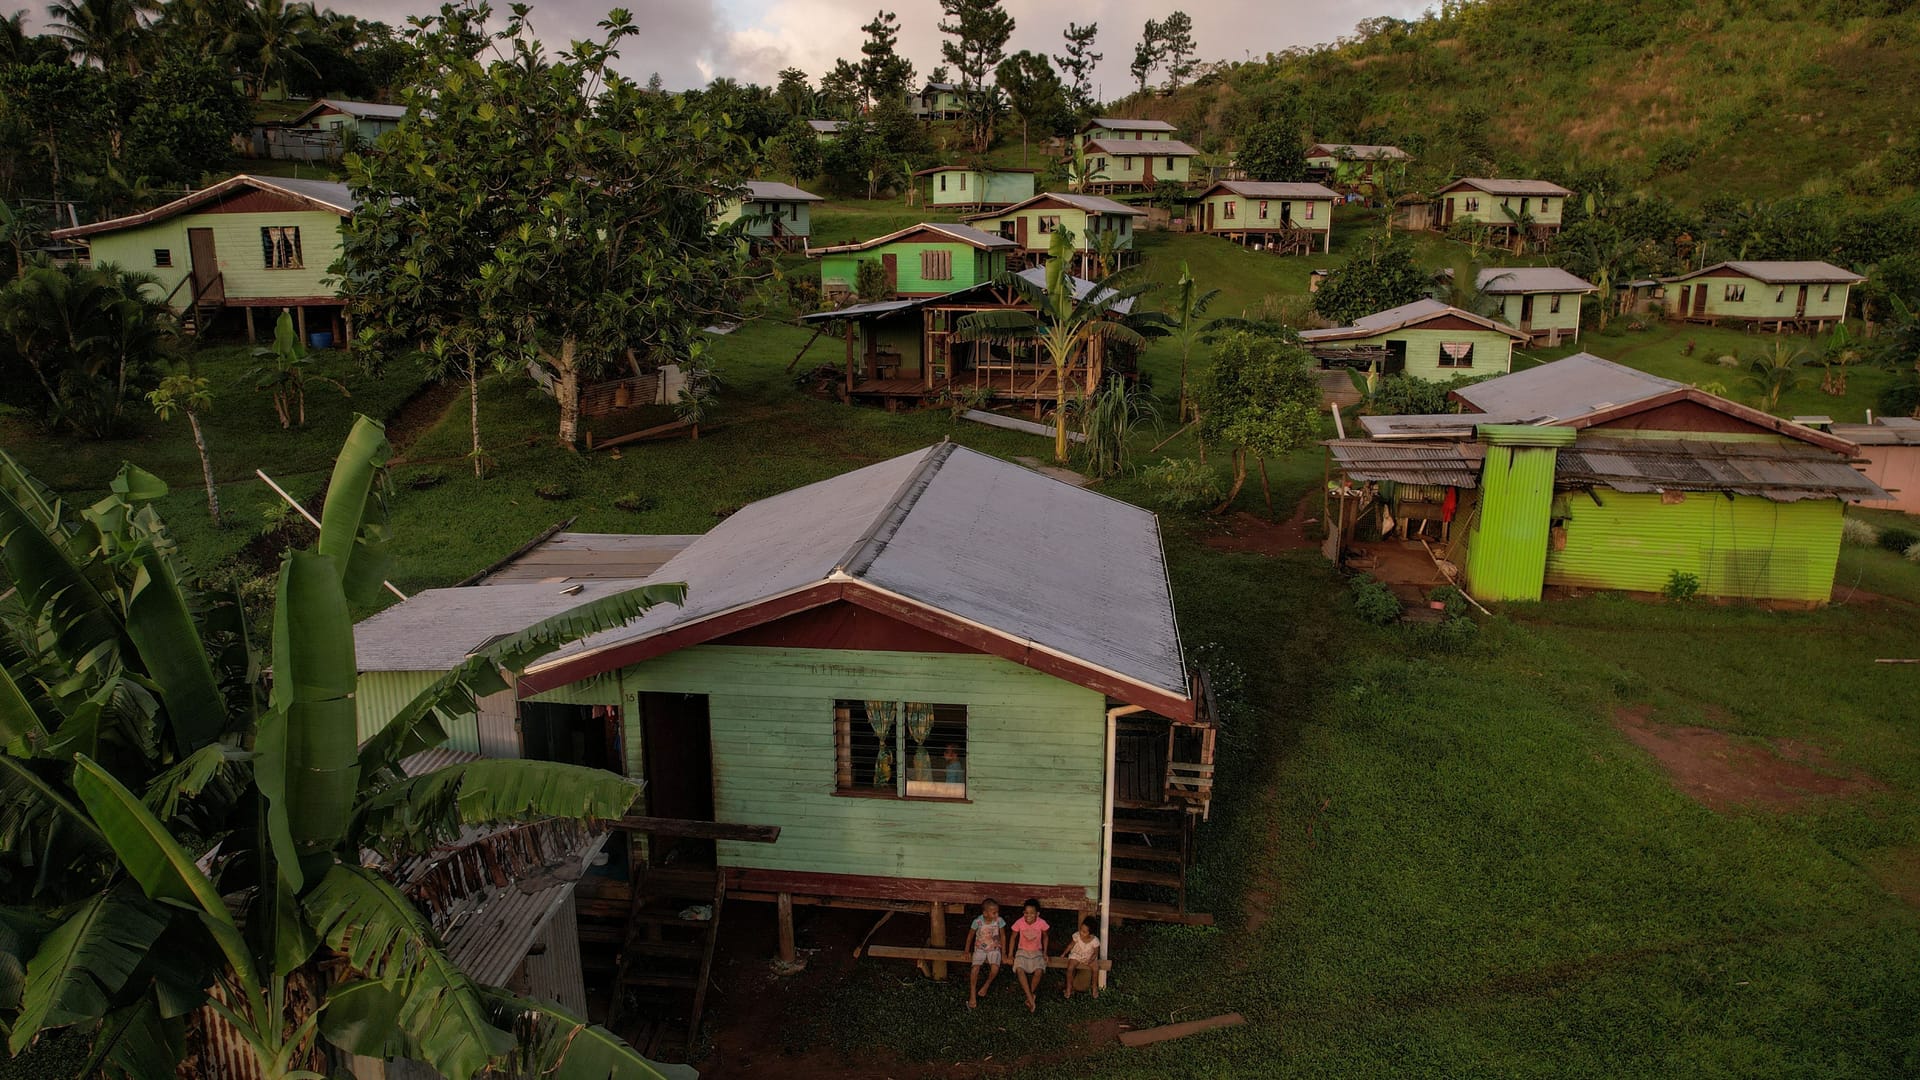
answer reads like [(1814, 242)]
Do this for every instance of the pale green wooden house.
[(1137, 164), (1294, 218), (1425, 339), (1118, 129), (352, 121), (826, 130), (1031, 223), (772, 214), (1808, 295), (1541, 301), (927, 259), (247, 244), (976, 187), (1502, 205), (1583, 474), (938, 101), (1327, 158)]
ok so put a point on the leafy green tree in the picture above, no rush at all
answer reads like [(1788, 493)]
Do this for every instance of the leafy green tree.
[(273, 40), (795, 92), (557, 213), (189, 395), (184, 123), (1034, 94), (1062, 322), (1177, 47), (1079, 63), (90, 339), (979, 30), (795, 152), (884, 73), (1381, 275), (1260, 398), (132, 934), (1783, 367), (284, 370), (1270, 150), (60, 105), (1148, 55), (840, 91), (111, 33)]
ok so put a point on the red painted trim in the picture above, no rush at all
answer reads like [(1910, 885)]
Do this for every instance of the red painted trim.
[(841, 625), (190, 201), (1758, 418), (865, 886)]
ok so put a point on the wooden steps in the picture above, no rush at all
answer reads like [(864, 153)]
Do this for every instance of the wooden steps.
[(665, 956), (1167, 878), (1156, 911), (1146, 853)]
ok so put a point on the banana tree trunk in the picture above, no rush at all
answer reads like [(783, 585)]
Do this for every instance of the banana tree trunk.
[(1060, 415), (566, 390), (206, 468)]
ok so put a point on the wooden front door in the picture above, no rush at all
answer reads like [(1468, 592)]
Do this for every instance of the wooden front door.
[(891, 263), (1286, 214), (206, 262), (677, 741), (1699, 299), (1208, 226), (1020, 232), (1686, 298), (1526, 311), (1139, 766), (1800, 308), (1446, 212)]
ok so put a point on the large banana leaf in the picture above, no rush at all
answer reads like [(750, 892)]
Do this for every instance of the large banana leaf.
[(37, 556), (557, 1045), (21, 729), (84, 962), (305, 758), (137, 1043), (163, 631), (216, 771), (357, 548), (421, 811), (415, 727), (44, 833), (411, 983)]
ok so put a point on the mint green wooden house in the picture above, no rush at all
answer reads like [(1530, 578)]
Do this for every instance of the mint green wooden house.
[(928, 259), (1031, 223), (1425, 339), (899, 670), (1117, 129), (938, 101), (1504, 206), (976, 187), (1541, 301), (1776, 296), (247, 244), (772, 215), (1115, 165), (1293, 219)]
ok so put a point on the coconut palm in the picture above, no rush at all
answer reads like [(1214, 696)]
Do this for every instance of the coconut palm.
[(1062, 320), (1080, 172), (105, 32), (136, 724), (272, 40), (86, 337)]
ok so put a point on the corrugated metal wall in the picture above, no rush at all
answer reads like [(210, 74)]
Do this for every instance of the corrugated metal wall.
[(1743, 546), (553, 973), (382, 694), (1507, 553)]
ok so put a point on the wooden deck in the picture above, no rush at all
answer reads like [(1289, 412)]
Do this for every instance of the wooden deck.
[(1022, 385)]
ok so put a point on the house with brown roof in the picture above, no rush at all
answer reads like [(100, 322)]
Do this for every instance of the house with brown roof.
[(1543, 301), (1537, 206), (1801, 295), (1426, 339), (1132, 155), (1293, 219)]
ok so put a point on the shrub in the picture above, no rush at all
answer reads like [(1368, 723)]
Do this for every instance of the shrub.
[(1858, 533), (1898, 540), (1453, 598), (1374, 602), (1900, 398), (1183, 484), (1912, 554), (554, 492), (804, 291), (1681, 586), (635, 503), (1224, 674), (1453, 634), (871, 281)]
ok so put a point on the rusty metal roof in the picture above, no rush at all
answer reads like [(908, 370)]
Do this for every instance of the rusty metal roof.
[(1779, 472), (1441, 464)]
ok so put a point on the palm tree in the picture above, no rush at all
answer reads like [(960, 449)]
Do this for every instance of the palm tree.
[(272, 41), (105, 32), (1079, 172), (87, 336), (1063, 320), (1520, 223), (188, 394), (143, 722), (1189, 308), (1780, 369)]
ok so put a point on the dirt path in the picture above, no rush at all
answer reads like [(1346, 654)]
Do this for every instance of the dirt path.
[(1250, 532), (1722, 771), (420, 414)]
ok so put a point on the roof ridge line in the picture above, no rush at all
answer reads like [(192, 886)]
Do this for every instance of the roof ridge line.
[(874, 539)]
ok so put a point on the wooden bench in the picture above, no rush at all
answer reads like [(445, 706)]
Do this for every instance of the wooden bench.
[(957, 956)]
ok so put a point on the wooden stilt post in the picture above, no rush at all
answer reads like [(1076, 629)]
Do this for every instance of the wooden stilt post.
[(300, 316), (247, 314), (786, 928), (937, 936)]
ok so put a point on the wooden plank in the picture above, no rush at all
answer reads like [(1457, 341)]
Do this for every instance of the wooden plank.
[(940, 957), (937, 936), (1148, 1036), (786, 928), (1011, 423), (648, 433), (545, 535), (699, 830)]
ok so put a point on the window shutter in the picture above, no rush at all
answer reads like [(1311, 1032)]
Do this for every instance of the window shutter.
[(843, 749)]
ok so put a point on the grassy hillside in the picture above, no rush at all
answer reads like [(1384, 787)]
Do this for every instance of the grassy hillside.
[(1688, 99)]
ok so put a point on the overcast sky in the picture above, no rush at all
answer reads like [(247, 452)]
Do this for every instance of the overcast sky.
[(691, 41)]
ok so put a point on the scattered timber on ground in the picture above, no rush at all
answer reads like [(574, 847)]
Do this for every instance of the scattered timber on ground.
[(1148, 1036)]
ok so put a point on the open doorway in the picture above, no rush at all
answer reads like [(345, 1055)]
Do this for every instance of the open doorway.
[(677, 740), (572, 734)]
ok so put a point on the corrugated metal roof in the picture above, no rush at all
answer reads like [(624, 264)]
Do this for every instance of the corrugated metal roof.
[(1359, 151), (439, 628), (365, 110), (1885, 431), (1506, 280), (1803, 272), (1030, 558), (1092, 204), (1440, 464), (1433, 425), (1781, 472), (774, 191), (330, 194), (574, 556), (966, 234), (1122, 123), (1036, 276), (1261, 189), (827, 127), (1495, 186), (1565, 389), (856, 311), (1419, 311), (1143, 147)]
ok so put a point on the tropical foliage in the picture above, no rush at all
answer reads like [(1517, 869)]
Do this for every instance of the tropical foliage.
[(1261, 398), (1381, 275), (88, 340)]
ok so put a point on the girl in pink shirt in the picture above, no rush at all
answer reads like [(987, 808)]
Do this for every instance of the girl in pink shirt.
[(1029, 949)]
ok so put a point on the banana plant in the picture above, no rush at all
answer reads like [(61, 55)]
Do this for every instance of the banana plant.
[(1187, 317), (139, 732)]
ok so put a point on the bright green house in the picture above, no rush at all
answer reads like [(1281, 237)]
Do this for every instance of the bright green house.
[(927, 259), (1585, 474), (1031, 223), (772, 214), (1425, 339), (1137, 164), (244, 244), (1774, 295), (877, 664), (1542, 301), (976, 187), (1537, 205), (1294, 218)]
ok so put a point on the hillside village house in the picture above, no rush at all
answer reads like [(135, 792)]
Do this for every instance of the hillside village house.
[(903, 352), (1774, 295), (1583, 473), (776, 215), (1889, 456), (1325, 161), (1295, 219), (852, 696), (938, 101), (825, 130), (1137, 164), (1121, 129), (1542, 301), (326, 130), (244, 244), (1031, 223), (976, 187), (928, 259), (1425, 339), (1502, 205)]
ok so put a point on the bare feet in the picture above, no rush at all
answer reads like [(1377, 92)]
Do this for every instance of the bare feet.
[(1031, 1006), (972, 1002)]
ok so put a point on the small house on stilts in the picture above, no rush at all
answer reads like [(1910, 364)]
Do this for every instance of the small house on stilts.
[(1291, 219), (1779, 296)]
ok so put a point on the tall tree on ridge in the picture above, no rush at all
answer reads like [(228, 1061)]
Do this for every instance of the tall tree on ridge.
[(107, 32), (1077, 66), (1034, 93), (1147, 55), (979, 29), (884, 73), (1177, 47), (840, 91), (795, 92)]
